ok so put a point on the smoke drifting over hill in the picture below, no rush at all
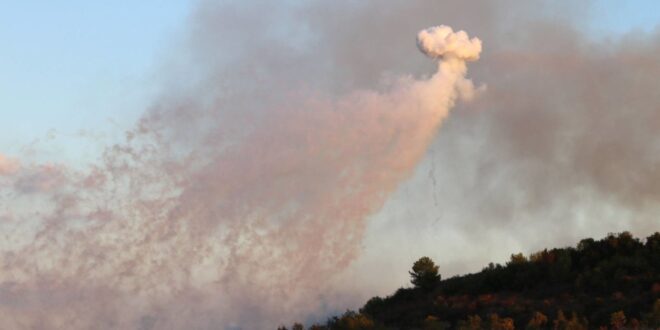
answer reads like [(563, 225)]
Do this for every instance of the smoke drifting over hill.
[(245, 190)]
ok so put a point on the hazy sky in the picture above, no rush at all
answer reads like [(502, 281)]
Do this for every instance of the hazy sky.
[(230, 202), (74, 65)]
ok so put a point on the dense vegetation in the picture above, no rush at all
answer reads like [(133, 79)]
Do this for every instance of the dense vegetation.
[(612, 283)]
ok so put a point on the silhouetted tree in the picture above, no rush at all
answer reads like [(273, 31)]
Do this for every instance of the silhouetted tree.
[(517, 259), (424, 274), (297, 326)]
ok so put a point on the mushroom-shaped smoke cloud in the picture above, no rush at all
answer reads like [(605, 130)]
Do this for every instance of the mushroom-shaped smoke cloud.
[(442, 42)]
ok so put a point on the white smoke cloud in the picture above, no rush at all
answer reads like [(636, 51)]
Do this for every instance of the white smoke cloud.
[(442, 42)]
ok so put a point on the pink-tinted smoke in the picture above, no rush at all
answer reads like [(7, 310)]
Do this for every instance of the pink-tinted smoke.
[(243, 230)]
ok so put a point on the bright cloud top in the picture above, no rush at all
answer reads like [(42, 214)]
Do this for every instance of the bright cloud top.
[(442, 42)]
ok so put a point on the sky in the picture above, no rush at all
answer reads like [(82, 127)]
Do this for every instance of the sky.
[(79, 65), (210, 164), (92, 64), (624, 16)]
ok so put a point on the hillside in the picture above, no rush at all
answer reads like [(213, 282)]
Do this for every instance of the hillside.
[(613, 283)]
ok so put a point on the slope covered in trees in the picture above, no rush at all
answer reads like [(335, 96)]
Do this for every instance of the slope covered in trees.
[(613, 283)]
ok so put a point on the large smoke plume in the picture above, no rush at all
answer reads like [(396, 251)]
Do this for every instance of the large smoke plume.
[(243, 196), (242, 228)]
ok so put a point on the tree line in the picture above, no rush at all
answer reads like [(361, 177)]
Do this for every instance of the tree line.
[(611, 283)]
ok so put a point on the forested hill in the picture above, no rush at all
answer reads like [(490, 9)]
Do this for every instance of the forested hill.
[(612, 283)]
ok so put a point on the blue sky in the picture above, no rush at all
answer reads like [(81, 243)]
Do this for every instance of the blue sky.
[(622, 16), (77, 64)]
